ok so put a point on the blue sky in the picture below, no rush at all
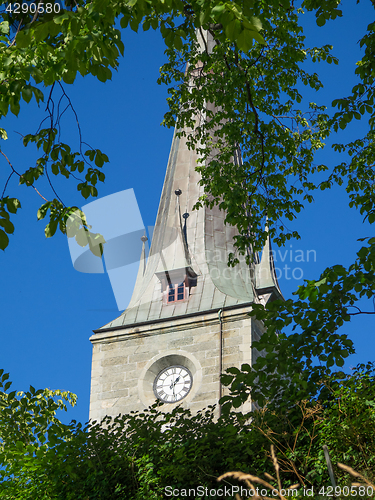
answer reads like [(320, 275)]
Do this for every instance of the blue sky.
[(48, 309)]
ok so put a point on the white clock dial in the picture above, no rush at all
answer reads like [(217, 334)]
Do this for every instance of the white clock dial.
[(173, 384)]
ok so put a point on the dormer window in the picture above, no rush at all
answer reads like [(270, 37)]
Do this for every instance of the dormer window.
[(176, 284), (176, 292)]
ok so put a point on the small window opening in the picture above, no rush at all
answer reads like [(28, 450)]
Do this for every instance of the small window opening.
[(176, 292), (171, 293), (181, 292)]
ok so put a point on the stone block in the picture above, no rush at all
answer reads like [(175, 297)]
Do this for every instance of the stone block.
[(212, 353), (96, 374), (142, 356), (131, 375), (113, 361), (232, 341), (212, 387), (106, 387), (111, 346), (180, 342), (204, 346), (208, 398), (230, 325), (141, 365), (231, 350), (109, 370), (119, 385), (204, 336), (232, 360), (132, 383), (94, 396), (118, 377), (212, 361), (112, 395), (95, 364), (95, 405), (236, 332), (209, 370), (129, 367)]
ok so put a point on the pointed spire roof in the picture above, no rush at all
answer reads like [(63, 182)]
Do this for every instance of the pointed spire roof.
[(197, 252), (176, 255)]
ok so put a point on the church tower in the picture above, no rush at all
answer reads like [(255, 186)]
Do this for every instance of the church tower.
[(187, 321)]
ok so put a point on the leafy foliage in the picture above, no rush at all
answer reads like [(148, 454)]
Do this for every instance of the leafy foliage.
[(251, 80), (28, 427), (50, 48), (255, 118), (139, 455)]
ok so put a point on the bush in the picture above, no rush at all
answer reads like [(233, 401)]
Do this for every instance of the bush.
[(137, 456)]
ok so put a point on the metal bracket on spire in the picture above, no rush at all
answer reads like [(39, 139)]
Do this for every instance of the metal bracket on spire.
[(184, 230)]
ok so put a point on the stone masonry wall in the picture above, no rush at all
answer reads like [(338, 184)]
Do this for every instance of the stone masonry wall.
[(125, 361)]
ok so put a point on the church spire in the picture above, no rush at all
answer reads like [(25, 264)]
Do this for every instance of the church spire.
[(188, 319), (190, 257)]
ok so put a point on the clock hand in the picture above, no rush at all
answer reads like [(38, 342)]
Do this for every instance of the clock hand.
[(174, 382)]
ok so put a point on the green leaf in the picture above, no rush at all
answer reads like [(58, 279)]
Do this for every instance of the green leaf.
[(134, 24), (124, 21), (69, 76), (27, 94), (218, 10), (233, 29), (3, 134), (50, 229), (91, 154), (41, 32), (20, 445), (14, 106), (177, 43), (99, 162), (7, 225), (258, 37), (339, 361), (146, 25), (23, 39), (4, 240), (154, 23), (43, 210), (204, 16), (96, 242), (245, 40), (13, 205), (61, 18), (4, 27)]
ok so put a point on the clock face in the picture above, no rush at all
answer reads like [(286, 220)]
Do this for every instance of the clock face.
[(173, 384)]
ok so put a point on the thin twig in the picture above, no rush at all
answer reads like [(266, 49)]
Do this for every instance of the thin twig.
[(20, 176)]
